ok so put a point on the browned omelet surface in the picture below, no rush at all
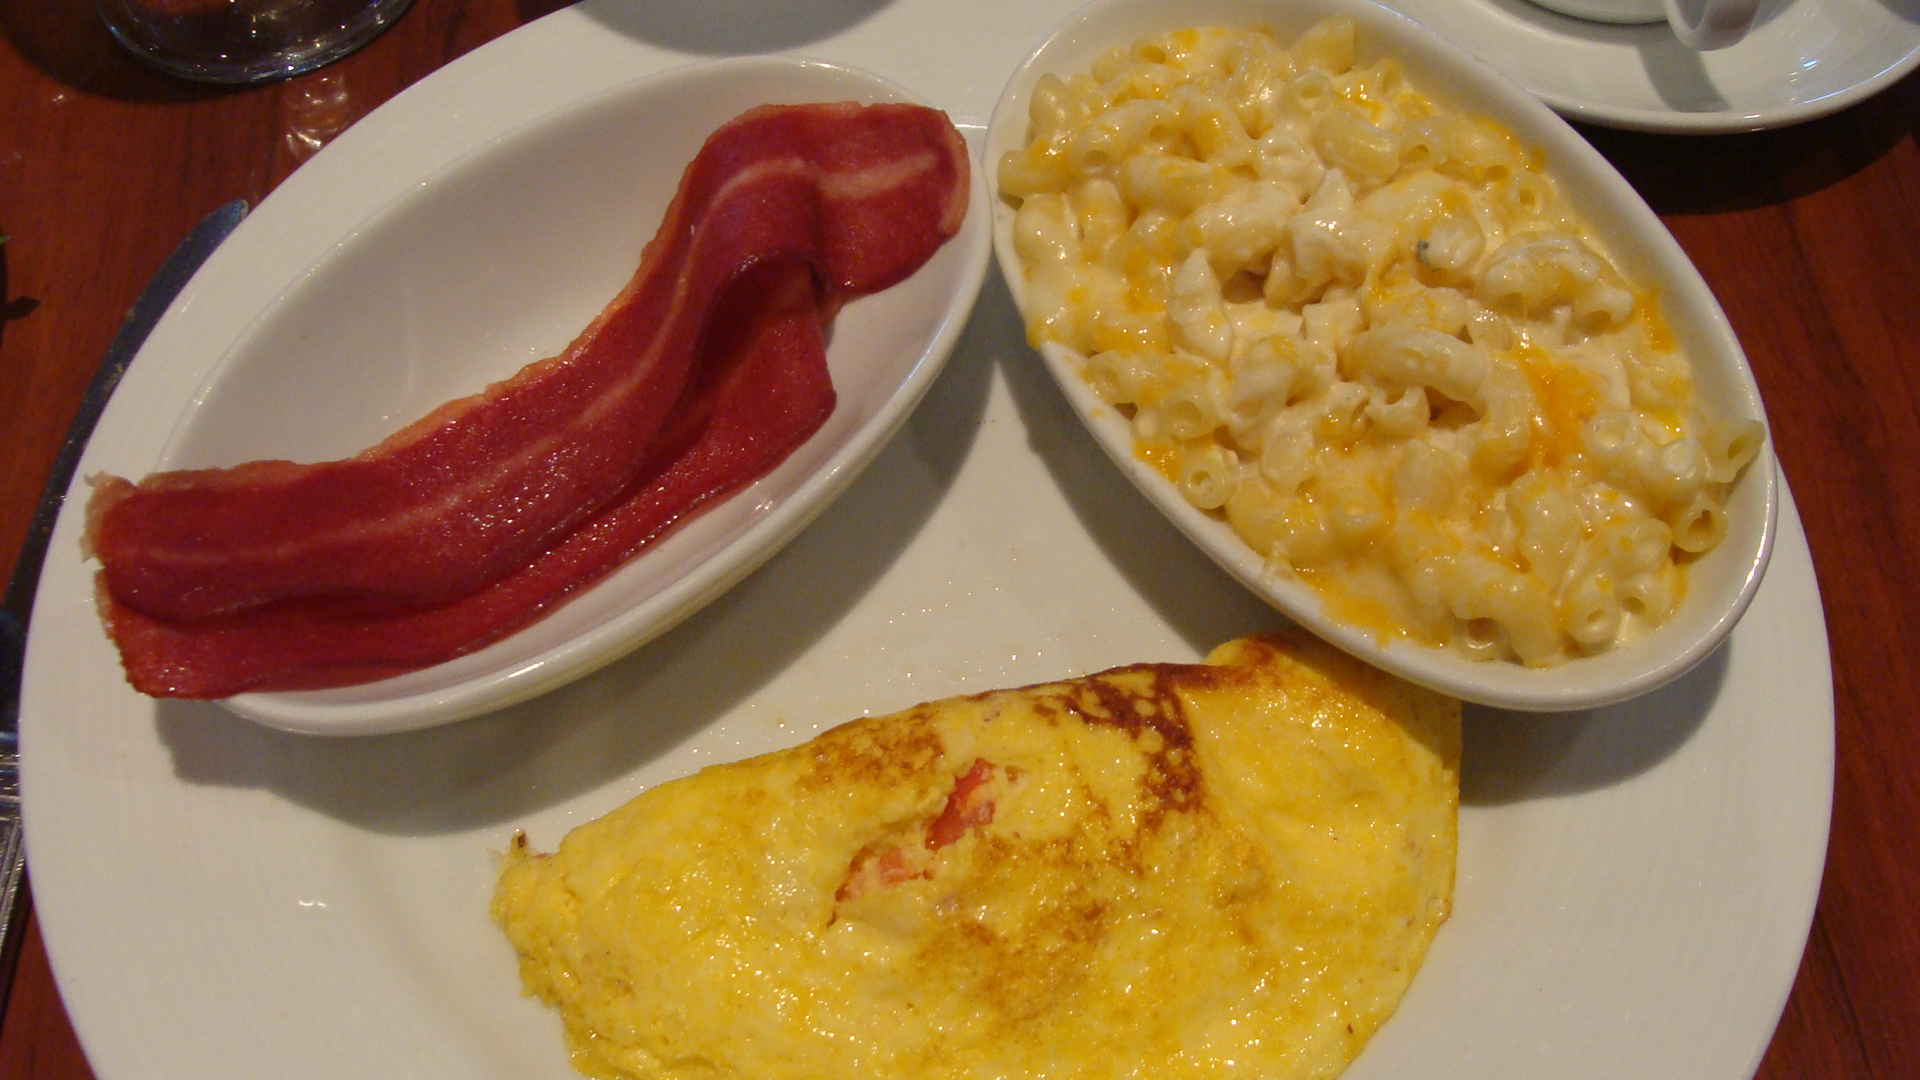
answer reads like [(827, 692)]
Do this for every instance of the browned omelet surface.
[(1229, 869)]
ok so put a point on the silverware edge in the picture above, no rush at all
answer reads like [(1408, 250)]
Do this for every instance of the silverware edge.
[(15, 611)]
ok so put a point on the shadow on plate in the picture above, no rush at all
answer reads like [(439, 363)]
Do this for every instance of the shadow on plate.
[(1513, 757), (1202, 602), (512, 763), (1677, 73), (720, 27), (1679, 76)]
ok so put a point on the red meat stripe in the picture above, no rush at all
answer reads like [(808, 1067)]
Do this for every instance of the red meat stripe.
[(700, 377)]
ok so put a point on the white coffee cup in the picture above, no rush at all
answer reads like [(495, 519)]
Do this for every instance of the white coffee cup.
[(1701, 24)]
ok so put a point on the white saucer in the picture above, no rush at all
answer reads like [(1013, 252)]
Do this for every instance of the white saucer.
[(1803, 59)]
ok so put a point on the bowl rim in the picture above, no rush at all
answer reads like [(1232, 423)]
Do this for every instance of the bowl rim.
[(1611, 208)]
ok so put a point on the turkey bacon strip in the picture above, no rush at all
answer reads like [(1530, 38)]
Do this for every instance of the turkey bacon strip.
[(763, 390), (476, 490)]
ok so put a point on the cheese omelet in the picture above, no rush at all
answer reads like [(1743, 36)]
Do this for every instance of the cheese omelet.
[(1228, 869)]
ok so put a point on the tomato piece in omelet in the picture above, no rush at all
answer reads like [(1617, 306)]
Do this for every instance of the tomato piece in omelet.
[(1229, 869)]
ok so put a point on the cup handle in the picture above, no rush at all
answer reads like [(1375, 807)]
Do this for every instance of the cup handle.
[(1710, 24)]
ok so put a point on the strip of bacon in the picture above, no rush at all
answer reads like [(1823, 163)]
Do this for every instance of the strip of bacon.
[(873, 203), (766, 390), (472, 492)]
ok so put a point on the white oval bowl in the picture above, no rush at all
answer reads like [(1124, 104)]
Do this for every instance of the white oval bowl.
[(1720, 585), (500, 259)]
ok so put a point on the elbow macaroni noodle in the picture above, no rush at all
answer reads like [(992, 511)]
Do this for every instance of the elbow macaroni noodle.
[(1369, 334)]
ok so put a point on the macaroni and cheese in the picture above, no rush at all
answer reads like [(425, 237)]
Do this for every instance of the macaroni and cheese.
[(1371, 335)]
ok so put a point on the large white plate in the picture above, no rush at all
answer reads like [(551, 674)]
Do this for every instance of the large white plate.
[(221, 900), (1802, 59)]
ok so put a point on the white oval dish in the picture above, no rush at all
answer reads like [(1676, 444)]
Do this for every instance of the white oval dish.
[(1720, 585), (499, 260)]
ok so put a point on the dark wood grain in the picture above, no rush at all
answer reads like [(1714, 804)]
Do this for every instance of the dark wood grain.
[(1810, 236)]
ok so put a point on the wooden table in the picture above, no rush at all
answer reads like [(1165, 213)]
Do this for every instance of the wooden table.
[(1810, 236)]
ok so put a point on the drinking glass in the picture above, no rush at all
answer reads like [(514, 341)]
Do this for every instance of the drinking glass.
[(244, 41)]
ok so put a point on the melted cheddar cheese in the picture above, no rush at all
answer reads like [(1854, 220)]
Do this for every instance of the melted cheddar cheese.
[(1229, 869)]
